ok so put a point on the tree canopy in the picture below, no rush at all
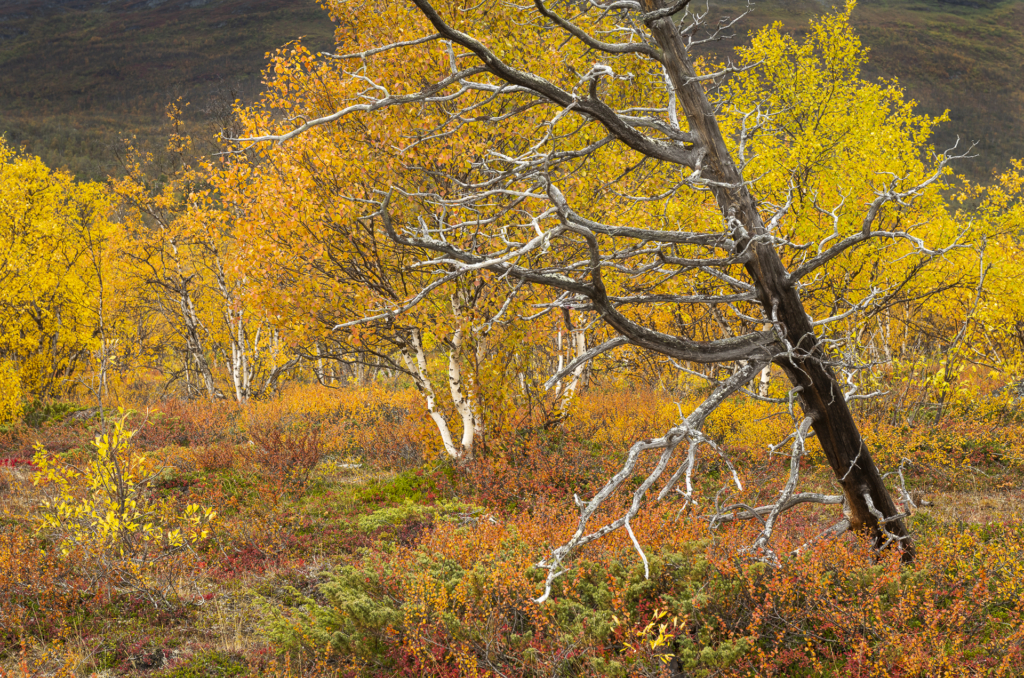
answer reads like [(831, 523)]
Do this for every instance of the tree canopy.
[(501, 199)]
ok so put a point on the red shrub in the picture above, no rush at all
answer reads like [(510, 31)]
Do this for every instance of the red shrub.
[(186, 423), (289, 455)]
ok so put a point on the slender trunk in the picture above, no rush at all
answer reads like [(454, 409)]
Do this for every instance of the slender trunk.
[(236, 370), (194, 342), (818, 389), (251, 362), (416, 361), (234, 317), (275, 374), (463, 402), (193, 339), (318, 367), (578, 344), (560, 364)]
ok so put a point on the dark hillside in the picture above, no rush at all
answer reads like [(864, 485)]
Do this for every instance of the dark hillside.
[(77, 75), (964, 55)]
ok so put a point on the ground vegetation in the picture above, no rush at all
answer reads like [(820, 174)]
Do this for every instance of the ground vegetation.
[(574, 349)]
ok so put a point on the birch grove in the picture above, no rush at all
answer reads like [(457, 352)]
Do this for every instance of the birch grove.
[(744, 214)]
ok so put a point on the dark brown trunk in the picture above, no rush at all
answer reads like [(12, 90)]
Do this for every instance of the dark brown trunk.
[(806, 366)]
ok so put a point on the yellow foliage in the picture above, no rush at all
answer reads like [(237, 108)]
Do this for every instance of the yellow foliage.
[(104, 509), (10, 392), (358, 423), (53, 253)]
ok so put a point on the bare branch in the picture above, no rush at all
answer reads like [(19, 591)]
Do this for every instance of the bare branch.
[(426, 95), (379, 50), (624, 132), (688, 428), (594, 43), (585, 358)]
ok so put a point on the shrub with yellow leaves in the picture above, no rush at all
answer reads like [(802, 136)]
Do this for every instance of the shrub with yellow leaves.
[(10, 393), (105, 511), (657, 637)]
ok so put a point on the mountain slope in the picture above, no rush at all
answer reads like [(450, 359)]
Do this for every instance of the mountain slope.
[(78, 75), (968, 59)]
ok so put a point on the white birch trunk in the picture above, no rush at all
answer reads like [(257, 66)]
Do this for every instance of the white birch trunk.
[(234, 317), (193, 340), (416, 362), (318, 367), (579, 344), (463, 403), (195, 343), (766, 379)]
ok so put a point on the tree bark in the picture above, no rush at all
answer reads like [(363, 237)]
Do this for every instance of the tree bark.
[(806, 364), (416, 361)]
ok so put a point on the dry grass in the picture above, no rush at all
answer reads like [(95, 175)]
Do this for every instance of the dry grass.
[(977, 508)]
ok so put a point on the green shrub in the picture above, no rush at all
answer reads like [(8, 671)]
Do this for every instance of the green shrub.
[(391, 608), (37, 413), (406, 486), (209, 664)]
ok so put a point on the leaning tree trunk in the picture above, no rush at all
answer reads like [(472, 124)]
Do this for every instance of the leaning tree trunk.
[(806, 366)]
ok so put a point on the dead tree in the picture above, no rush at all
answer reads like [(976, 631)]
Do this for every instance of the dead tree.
[(515, 216)]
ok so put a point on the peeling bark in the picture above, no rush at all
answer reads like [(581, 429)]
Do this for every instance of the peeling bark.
[(416, 362)]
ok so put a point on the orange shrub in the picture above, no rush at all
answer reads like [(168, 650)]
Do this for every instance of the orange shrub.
[(459, 604), (212, 457), (371, 424), (186, 423), (38, 590), (288, 455)]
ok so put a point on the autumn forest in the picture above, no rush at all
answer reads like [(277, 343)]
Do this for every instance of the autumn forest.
[(598, 338)]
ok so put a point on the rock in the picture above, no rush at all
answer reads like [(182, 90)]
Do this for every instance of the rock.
[(83, 415)]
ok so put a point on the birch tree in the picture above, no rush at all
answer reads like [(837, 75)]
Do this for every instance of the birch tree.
[(52, 269), (741, 214), (182, 255)]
